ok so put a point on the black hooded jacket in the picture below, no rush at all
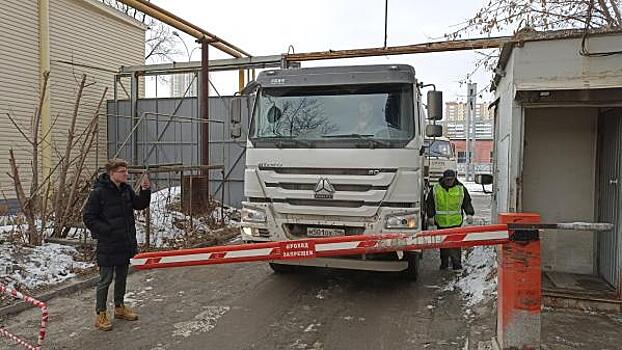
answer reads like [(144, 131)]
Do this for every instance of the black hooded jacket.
[(109, 215)]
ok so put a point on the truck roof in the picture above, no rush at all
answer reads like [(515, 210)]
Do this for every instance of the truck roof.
[(340, 75)]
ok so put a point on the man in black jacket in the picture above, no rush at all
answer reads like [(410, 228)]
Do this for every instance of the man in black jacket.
[(446, 203), (109, 215)]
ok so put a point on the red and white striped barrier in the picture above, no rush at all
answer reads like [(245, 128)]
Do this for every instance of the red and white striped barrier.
[(324, 247), (44, 319)]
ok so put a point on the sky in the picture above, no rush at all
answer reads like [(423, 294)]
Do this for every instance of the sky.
[(269, 27)]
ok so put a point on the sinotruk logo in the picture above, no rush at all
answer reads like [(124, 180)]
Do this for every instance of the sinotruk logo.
[(324, 189)]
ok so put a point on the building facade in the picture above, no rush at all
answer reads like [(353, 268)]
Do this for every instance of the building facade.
[(68, 38), (454, 126)]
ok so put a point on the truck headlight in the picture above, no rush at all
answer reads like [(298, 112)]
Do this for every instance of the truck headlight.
[(402, 221), (253, 215)]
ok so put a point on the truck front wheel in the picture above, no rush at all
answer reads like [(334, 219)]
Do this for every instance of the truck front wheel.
[(282, 268), (412, 272)]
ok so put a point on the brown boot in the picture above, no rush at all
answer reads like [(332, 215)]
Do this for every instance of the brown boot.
[(102, 322), (125, 313)]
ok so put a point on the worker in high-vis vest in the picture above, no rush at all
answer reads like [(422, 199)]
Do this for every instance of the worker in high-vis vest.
[(446, 204)]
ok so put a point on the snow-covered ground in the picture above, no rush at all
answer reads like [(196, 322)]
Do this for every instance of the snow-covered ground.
[(26, 267), (478, 280), (167, 224)]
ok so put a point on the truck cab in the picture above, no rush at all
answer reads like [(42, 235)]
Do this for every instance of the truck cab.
[(334, 151), (440, 156)]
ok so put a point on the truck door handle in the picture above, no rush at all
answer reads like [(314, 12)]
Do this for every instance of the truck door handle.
[(613, 181)]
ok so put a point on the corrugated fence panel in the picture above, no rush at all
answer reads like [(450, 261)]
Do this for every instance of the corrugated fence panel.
[(169, 132)]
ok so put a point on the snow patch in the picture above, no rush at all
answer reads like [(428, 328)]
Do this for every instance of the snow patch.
[(167, 223), (32, 267), (204, 322), (478, 281), (321, 294), (312, 327)]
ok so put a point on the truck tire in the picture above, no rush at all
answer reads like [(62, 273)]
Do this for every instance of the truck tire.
[(412, 272), (282, 268)]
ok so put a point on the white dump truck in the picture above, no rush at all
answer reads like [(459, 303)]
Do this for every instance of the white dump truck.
[(440, 156), (336, 151)]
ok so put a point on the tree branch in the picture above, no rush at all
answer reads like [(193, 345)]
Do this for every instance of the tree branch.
[(19, 129)]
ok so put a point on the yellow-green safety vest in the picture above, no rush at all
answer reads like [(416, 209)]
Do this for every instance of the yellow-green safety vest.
[(448, 205)]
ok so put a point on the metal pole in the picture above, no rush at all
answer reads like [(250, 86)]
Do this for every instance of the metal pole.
[(386, 20), (134, 113), (204, 105), (467, 136), (473, 105), (469, 129)]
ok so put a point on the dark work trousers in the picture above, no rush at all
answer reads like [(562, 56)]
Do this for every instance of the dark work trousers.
[(105, 279), (453, 254)]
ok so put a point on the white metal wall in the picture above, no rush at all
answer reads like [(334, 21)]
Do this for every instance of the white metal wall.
[(559, 177), (610, 195)]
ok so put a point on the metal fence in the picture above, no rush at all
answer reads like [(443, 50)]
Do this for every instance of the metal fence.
[(169, 131), (478, 168)]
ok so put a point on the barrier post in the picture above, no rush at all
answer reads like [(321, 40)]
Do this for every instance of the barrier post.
[(44, 319), (519, 286)]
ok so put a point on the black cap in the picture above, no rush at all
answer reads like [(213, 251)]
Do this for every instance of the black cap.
[(449, 173)]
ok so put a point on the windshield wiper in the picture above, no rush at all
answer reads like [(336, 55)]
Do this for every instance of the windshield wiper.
[(285, 141), (367, 137), (358, 136)]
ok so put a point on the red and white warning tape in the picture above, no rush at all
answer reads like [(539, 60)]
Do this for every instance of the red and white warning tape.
[(44, 318), (324, 247)]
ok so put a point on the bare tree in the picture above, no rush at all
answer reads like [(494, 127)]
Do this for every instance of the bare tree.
[(512, 15), (160, 41), (499, 16), (66, 185)]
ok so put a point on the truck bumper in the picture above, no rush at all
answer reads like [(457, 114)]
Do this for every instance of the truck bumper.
[(350, 264)]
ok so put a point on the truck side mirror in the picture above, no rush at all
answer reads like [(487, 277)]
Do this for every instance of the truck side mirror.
[(434, 130), (435, 105), (236, 110), (236, 131), (236, 118), (483, 179)]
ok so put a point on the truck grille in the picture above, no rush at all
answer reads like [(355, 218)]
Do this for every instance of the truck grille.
[(337, 187), (327, 171), (293, 188)]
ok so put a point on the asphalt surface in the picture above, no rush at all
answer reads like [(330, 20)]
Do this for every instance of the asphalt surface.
[(247, 306)]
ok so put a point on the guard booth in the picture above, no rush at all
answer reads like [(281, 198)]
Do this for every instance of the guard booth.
[(558, 152)]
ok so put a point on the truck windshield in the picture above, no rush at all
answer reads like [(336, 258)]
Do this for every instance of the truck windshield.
[(379, 115), (439, 148)]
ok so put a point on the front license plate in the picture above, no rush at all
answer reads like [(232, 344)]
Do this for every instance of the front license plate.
[(325, 232)]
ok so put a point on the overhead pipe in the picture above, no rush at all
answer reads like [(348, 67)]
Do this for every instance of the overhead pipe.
[(200, 34)]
